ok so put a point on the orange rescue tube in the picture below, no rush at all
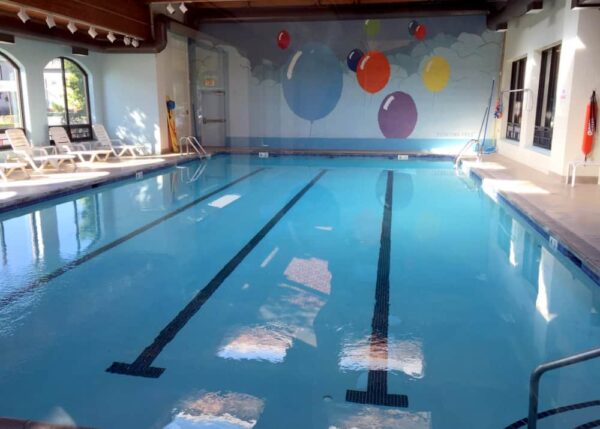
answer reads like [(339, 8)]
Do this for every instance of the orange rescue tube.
[(590, 126)]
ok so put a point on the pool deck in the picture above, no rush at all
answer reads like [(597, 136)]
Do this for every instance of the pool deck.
[(19, 191), (569, 215)]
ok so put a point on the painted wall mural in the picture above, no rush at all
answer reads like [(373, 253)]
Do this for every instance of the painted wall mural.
[(399, 84)]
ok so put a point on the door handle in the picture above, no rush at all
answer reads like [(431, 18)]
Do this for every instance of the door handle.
[(212, 121)]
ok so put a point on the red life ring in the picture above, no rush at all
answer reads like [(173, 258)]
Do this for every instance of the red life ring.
[(590, 126)]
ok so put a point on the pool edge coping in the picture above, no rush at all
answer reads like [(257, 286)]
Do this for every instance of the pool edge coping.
[(556, 240)]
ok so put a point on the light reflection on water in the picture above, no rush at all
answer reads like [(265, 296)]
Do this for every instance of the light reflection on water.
[(229, 410), (393, 355)]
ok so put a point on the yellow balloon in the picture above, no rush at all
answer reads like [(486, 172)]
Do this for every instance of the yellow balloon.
[(436, 73)]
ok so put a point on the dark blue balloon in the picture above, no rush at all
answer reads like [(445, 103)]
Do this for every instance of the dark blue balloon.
[(412, 27), (353, 59), (312, 81)]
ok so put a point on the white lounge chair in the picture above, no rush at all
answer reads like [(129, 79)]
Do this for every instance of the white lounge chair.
[(118, 147), (9, 166), (64, 145), (39, 157)]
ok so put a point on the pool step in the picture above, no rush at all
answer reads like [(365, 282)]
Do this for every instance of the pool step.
[(7, 423)]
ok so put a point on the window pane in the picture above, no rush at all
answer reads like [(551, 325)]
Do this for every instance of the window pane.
[(55, 99), (544, 120), (10, 105), (76, 94), (515, 100)]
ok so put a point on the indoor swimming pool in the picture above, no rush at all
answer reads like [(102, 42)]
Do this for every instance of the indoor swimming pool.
[(289, 292)]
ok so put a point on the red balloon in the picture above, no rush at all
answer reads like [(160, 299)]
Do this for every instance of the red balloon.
[(373, 72), (283, 39), (420, 32)]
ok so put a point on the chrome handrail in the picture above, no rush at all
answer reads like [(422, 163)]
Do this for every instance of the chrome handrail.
[(194, 143), (536, 375), (462, 151)]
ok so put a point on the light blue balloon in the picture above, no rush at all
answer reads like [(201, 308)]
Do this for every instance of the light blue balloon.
[(312, 81)]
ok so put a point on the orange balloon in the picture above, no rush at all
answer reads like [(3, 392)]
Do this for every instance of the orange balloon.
[(373, 72)]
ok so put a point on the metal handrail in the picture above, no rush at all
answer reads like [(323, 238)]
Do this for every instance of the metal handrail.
[(462, 151), (194, 143), (536, 375)]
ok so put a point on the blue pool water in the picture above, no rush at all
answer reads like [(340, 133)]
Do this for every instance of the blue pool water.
[(255, 293)]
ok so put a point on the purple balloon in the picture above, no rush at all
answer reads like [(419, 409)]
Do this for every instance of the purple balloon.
[(397, 115)]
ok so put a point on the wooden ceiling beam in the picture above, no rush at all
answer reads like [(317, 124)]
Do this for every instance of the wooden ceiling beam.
[(131, 17), (222, 13)]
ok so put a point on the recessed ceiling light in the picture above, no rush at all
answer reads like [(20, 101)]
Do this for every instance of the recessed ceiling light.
[(23, 15), (183, 8), (170, 9), (111, 37), (50, 21), (127, 41), (92, 32), (72, 27)]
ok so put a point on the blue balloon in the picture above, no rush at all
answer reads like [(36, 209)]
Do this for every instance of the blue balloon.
[(354, 58), (312, 82)]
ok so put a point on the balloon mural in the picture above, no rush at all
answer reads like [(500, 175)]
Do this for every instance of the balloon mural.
[(373, 72), (372, 27), (417, 30), (312, 82), (353, 59), (397, 115), (436, 73), (283, 39)]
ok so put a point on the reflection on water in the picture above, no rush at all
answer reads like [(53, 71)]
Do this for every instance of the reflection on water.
[(363, 354), (313, 273), (360, 417), (268, 343), (287, 315), (218, 410)]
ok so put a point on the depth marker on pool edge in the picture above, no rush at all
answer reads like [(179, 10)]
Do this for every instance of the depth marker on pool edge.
[(377, 391), (141, 367), (76, 262)]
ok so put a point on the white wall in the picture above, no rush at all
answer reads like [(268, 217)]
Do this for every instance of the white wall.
[(527, 36), (31, 57), (130, 94), (173, 80)]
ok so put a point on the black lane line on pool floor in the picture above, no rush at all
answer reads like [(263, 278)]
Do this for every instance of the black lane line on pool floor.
[(377, 390), (142, 365), (76, 262)]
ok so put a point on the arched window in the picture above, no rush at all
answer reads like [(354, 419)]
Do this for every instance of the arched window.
[(67, 98), (11, 109)]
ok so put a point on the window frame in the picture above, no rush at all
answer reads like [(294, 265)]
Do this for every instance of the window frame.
[(20, 101), (68, 126), (542, 135), (517, 81)]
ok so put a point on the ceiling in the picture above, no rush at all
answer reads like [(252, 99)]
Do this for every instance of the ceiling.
[(136, 18), (273, 10)]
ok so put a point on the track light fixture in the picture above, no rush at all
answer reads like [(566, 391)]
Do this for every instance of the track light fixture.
[(22, 14), (50, 21), (170, 9), (72, 27), (135, 43), (183, 8), (111, 37), (92, 32), (127, 41)]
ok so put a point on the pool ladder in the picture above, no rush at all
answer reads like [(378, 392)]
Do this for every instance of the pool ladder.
[(536, 375), (193, 143)]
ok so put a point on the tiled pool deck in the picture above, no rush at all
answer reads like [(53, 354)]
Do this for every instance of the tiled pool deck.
[(571, 216)]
